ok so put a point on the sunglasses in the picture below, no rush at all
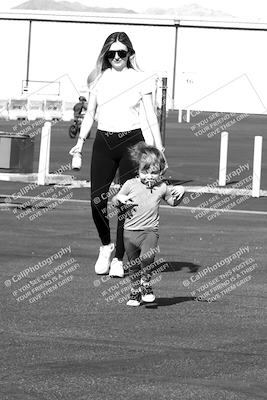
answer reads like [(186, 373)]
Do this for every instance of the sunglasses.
[(112, 53)]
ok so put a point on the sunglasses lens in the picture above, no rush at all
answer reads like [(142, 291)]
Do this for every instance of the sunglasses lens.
[(112, 53), (122, 53)]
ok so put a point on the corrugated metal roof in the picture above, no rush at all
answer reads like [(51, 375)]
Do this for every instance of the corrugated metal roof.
[(134, 19)]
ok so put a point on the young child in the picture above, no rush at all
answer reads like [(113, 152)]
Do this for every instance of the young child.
[(139, 198)]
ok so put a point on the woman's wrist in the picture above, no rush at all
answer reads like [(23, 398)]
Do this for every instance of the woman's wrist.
[(161, 148)]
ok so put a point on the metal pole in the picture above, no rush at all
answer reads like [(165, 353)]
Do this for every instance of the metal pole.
[(44, 155), (174, 63), (29, 53), (256, 180), (188, 115), (223, 158), (163, 110)]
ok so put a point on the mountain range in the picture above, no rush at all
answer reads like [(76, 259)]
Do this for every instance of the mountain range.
[(190, 10), (51, 5)]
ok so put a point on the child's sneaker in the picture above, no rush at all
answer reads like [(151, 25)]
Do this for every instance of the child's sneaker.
[(102, 264), (116, 268), (147, 292), (135, 299)]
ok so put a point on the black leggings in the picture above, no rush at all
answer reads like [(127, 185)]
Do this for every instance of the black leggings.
[(110, 152)]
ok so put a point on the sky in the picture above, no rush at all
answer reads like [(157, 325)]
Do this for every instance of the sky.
[(239, 8)]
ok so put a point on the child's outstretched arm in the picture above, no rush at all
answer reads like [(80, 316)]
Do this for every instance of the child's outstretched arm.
[(174, 195), (123, 196)]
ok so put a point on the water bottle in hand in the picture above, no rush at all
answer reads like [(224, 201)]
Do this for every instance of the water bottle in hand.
[(76, 161)]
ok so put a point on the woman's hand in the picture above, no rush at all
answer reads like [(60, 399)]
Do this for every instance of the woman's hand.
[(86, 125), (77, 148)]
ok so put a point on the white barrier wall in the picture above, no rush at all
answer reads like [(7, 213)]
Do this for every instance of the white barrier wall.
[(14, 44), (221, 70), (70, 51), (216, 69)]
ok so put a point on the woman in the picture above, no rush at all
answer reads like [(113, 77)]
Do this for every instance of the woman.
[(117, 90)]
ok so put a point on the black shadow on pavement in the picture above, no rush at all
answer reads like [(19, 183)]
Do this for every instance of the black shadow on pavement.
[(174, 266), (168, 301)]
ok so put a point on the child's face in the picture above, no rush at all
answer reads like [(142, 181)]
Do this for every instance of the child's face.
[(150, 177)]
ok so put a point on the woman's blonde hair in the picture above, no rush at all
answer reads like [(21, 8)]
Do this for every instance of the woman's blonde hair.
[(145, 156), (102, 62)]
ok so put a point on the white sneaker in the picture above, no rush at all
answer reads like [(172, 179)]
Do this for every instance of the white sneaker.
[(102, 264), (147, 292), (116, 268), (135, 299)]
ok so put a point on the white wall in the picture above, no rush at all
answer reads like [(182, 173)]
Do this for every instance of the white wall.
[(68, 52), (13, 56), (217, 69), (220, 69)]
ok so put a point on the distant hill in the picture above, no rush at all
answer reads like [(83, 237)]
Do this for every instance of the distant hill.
[(51, 5), (189, 10)]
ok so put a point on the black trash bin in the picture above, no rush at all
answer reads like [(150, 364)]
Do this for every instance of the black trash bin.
[(16, 152)]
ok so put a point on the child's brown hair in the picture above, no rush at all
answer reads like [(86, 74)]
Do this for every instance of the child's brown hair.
[(146, 156)]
